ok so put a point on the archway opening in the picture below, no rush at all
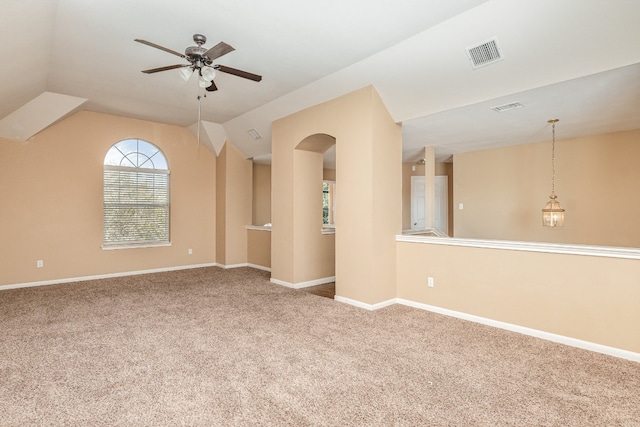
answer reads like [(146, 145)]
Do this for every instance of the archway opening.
[(314, 157)]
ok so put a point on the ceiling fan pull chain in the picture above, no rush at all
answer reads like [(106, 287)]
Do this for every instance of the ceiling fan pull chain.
[(199, 113)]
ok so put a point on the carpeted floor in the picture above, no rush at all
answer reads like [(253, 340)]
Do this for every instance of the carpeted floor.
[(213, 347)]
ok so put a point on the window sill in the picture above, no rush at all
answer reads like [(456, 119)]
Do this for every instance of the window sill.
[(258, 227), (134, 246), (329, 230)]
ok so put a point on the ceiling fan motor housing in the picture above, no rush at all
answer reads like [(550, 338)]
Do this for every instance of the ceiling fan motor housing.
[(195, 54)]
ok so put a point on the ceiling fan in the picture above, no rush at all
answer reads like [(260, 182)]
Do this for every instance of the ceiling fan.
[(201, 60)]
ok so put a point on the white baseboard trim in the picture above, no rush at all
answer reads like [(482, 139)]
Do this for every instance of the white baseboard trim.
[(259, 267), (104, 276), (282, 283), (301, 285), (561, 339), (370, 307), (226, 267), (244, 264)]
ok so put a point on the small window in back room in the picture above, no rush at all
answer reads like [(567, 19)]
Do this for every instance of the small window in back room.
[(328, 203), (136, 195)]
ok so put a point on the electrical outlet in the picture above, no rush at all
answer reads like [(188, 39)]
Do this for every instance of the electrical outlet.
[(190, 251), (39, 263), (430, 282)]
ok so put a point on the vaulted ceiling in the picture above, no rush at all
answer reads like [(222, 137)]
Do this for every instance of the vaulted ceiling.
[(575, 60)]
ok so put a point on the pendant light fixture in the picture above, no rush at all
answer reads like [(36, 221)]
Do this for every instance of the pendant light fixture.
[(553, 213)]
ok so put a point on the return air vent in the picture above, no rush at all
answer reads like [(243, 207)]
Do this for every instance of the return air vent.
[(254, 134), (507, 107), (485, 53)]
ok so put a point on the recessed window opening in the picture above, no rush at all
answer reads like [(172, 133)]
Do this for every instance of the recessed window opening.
[(136, 195), (328, 203)]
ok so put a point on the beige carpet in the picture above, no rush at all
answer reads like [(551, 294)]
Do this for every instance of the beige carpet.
[(209, 347)]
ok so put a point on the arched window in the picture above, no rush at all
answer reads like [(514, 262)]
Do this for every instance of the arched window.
[(136, 195)]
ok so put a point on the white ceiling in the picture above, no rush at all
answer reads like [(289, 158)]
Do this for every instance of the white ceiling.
[(575, 60)]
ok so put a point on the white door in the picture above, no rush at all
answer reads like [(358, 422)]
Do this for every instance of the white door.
[(417, 203), (441, 219)]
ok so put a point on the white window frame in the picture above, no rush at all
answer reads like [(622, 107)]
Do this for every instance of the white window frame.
[(134, 194), (331, 224)]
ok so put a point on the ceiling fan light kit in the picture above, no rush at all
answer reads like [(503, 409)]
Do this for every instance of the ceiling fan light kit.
[(185, 73), (201, 59), (207, 73)]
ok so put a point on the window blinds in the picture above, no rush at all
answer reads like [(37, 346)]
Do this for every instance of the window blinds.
[(136, 206)]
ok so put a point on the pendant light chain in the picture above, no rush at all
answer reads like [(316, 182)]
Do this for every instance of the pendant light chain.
[(204, 95), (553, 156), (199, 114)]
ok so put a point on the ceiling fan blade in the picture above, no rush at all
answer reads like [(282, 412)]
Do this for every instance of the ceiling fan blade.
[(168, 67), (218, 50), (157, 46), (239, 73), (212, 87)]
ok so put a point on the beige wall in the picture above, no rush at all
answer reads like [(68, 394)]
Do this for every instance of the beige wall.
[(368, 196), (261, 194), (259, 248), (52, 200), (386, 200), (329, 174), (234, 182), (259, 242), (221, 204), (312, 261), (407, 173), (589, 298), (597, 177)]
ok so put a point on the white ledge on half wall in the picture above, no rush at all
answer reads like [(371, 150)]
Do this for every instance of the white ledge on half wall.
[(556, 248), (258, 227), (433, 232)]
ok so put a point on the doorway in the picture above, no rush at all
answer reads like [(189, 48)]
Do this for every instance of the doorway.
[(417, 203), (441, 203), (327, 290)]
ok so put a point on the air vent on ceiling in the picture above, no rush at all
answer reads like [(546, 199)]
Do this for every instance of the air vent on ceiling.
[(485, 53), (507, 107), (254, 134)]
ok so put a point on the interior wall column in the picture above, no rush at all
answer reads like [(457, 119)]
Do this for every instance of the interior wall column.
[(233, 205), (429, 187), (368, 193)]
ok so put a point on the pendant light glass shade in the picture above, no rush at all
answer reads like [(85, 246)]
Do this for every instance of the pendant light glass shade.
[(553, 213), (185, 73), (207, 73)]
